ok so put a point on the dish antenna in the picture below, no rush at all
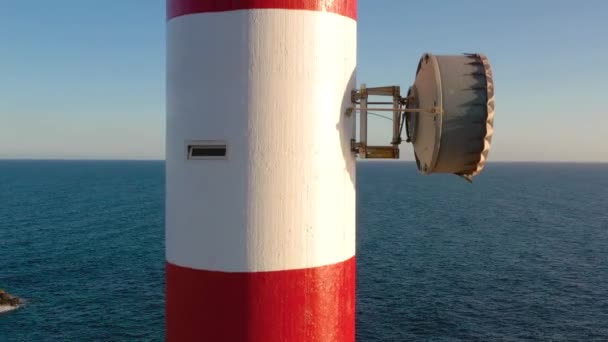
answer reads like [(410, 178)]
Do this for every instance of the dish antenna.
[(448, 115)]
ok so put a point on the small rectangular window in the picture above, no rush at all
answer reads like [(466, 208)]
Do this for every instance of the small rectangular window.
[(207, 151)]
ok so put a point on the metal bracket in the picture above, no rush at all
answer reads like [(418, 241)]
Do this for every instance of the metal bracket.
[(359, 98)]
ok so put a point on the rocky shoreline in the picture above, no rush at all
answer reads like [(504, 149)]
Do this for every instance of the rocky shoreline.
[(8, 302)]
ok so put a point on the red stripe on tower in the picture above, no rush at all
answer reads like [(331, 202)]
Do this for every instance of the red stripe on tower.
[(176, 8), (293, 305)]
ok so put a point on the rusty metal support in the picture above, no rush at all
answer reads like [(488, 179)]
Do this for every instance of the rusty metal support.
[(360, 102)]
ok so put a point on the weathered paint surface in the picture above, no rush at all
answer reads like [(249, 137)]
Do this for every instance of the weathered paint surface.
[(274, 86), (270, 230), (312, 304), (177, 8)]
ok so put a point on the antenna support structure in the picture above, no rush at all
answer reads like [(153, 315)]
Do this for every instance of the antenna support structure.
[(400, 114)]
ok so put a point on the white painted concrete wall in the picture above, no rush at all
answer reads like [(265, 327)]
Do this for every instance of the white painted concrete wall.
[(273, 84)]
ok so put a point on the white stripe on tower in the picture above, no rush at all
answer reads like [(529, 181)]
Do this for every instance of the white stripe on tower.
[(260, 244)]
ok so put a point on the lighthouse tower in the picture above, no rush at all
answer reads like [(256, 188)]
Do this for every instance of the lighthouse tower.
[(260, 211)]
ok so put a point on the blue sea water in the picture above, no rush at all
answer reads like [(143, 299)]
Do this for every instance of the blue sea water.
[(519, 255)]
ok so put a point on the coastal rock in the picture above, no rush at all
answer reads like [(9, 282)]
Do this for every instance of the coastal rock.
[(7, 299)]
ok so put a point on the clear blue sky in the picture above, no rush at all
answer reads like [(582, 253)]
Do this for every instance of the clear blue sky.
[(85, 79)]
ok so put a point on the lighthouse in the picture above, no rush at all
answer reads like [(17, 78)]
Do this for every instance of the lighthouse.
[(260, 170)]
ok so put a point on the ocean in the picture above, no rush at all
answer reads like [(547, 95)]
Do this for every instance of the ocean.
[(519, 255)]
